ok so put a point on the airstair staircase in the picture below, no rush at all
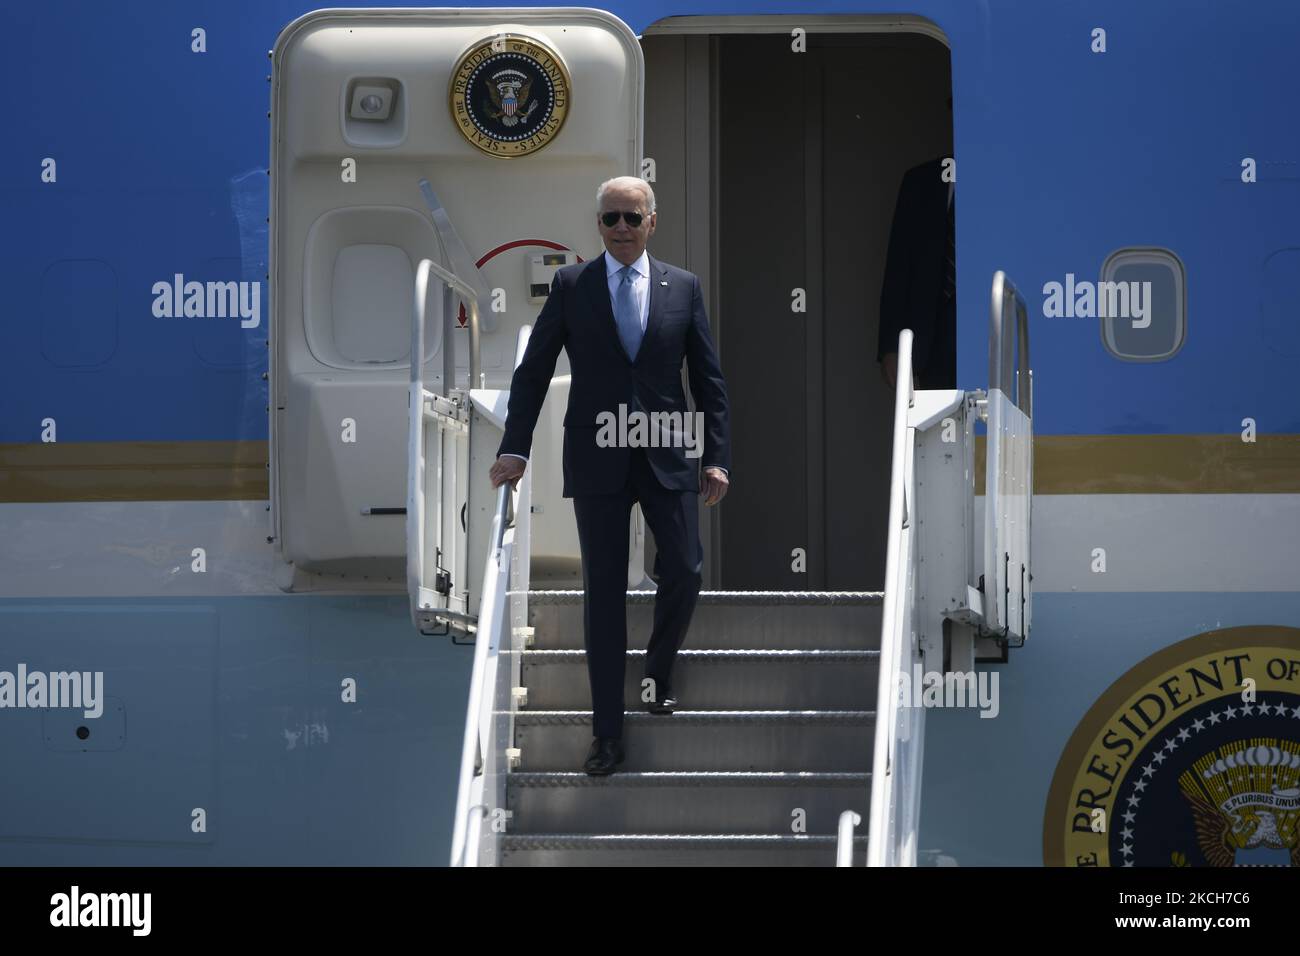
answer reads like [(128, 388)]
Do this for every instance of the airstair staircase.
[(796, 742)]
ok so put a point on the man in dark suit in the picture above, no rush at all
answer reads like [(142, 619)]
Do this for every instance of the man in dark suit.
[(627, 321), (919, 291)]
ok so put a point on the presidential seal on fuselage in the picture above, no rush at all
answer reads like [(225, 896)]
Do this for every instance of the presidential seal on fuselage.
[(1192, 758)]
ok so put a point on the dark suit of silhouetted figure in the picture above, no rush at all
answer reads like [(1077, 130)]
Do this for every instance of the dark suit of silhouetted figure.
[(919, 291)]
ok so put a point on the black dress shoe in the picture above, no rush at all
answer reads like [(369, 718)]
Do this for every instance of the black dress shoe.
[(665, 704), (606, 753)]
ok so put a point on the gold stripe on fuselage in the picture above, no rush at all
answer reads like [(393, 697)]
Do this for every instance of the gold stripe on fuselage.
[(134, 471), (1063, 465), (1160, 465)]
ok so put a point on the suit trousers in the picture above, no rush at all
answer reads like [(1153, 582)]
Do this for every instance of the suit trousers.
[(673, 518)]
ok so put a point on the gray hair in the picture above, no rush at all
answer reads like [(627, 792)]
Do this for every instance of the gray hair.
[(626, 181)]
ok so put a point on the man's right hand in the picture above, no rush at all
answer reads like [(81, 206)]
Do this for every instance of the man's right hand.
[(507, 468)]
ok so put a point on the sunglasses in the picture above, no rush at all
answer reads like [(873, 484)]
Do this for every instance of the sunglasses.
[(610, 219)]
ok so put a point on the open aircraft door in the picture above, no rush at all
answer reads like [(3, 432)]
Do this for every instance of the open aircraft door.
[(430, 170)]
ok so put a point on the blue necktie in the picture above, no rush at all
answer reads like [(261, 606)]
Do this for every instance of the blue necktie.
[(627, 315)]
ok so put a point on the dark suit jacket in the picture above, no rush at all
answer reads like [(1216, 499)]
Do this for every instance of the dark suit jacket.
[(911, 296), (579, 317)]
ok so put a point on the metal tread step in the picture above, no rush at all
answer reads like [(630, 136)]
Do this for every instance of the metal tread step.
[(715, 678), (718, 626), (539, 718), (677, 778), (567, 841), (683, 802), (703, 740), (669, 849), (820, 654), (766, 598)]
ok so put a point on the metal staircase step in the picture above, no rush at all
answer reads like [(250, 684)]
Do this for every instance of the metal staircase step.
[(836, 679), (816, 740), (726, 619), (671, 849), (728, 598), (684, 802)]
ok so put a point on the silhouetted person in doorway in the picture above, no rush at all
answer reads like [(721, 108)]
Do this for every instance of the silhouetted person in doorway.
[(919, 291)]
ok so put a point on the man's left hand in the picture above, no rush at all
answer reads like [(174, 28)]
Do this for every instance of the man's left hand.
[(713, 485)]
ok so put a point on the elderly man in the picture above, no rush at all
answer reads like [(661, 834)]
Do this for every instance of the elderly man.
[(627, 321)]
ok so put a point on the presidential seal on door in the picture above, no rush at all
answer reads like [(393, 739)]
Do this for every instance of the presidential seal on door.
[(509, 95)]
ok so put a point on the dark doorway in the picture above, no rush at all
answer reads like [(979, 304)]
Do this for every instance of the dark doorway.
[(778, 171)]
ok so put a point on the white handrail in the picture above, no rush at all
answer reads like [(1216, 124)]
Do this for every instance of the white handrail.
[(493, 633), (880, 832), (1004, 293), (415, 444), (844, 842), (474, 749)]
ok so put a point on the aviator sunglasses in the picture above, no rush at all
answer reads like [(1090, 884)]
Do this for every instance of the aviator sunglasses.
[(610, 219)]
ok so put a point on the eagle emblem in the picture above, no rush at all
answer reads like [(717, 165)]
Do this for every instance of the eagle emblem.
[(1246, 804), (509, 91)]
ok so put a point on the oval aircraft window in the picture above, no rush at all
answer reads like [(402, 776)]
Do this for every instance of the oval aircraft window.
[(1142, 303)]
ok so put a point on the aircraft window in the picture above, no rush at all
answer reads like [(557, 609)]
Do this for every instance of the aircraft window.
[(1142, 302)]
